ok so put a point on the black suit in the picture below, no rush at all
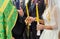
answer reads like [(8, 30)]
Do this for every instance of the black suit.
[(20, 25), (19, 28), (32, 12)]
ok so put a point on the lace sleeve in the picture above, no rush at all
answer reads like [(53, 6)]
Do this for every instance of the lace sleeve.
[(54, 17)]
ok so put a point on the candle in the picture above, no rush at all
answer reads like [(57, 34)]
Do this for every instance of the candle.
[(27, 10), (37, 19), (37, 15), (28, 24)]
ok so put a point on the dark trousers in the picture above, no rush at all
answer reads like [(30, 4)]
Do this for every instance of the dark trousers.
[(33, 31), (19, 28), (17, 36)]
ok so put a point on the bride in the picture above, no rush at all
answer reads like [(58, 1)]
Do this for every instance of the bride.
[(51, 21), (58, 4)]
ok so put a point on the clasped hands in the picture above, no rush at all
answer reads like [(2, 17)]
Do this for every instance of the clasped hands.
[(29, 20)]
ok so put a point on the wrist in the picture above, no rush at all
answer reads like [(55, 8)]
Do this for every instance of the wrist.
[(21, 15), (44, 27)]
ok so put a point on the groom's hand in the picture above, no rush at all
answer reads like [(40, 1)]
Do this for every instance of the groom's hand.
[(21, 13)]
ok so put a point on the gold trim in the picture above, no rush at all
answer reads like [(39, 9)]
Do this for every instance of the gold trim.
[(11, 13), (48, 16), (9, 18), (4, 5), (14, 23)]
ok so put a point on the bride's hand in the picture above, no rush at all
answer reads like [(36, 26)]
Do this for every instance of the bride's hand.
[(40, 27)]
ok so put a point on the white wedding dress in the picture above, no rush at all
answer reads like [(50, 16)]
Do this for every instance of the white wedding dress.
[(58, 4), (49, 19)]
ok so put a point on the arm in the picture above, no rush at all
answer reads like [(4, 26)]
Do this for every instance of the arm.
[(54, 25), (22, 16)]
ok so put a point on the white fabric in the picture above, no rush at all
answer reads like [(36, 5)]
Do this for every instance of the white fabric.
[(58, 8), (58, 4), (59, 19), (52, 34), (49, 34), (26, 1)]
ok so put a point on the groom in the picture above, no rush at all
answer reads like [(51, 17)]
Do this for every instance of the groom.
[(19, 28)]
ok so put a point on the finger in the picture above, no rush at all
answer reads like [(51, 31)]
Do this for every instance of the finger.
[(21, 8), (18, 10), (38, 24), (13, 38)]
